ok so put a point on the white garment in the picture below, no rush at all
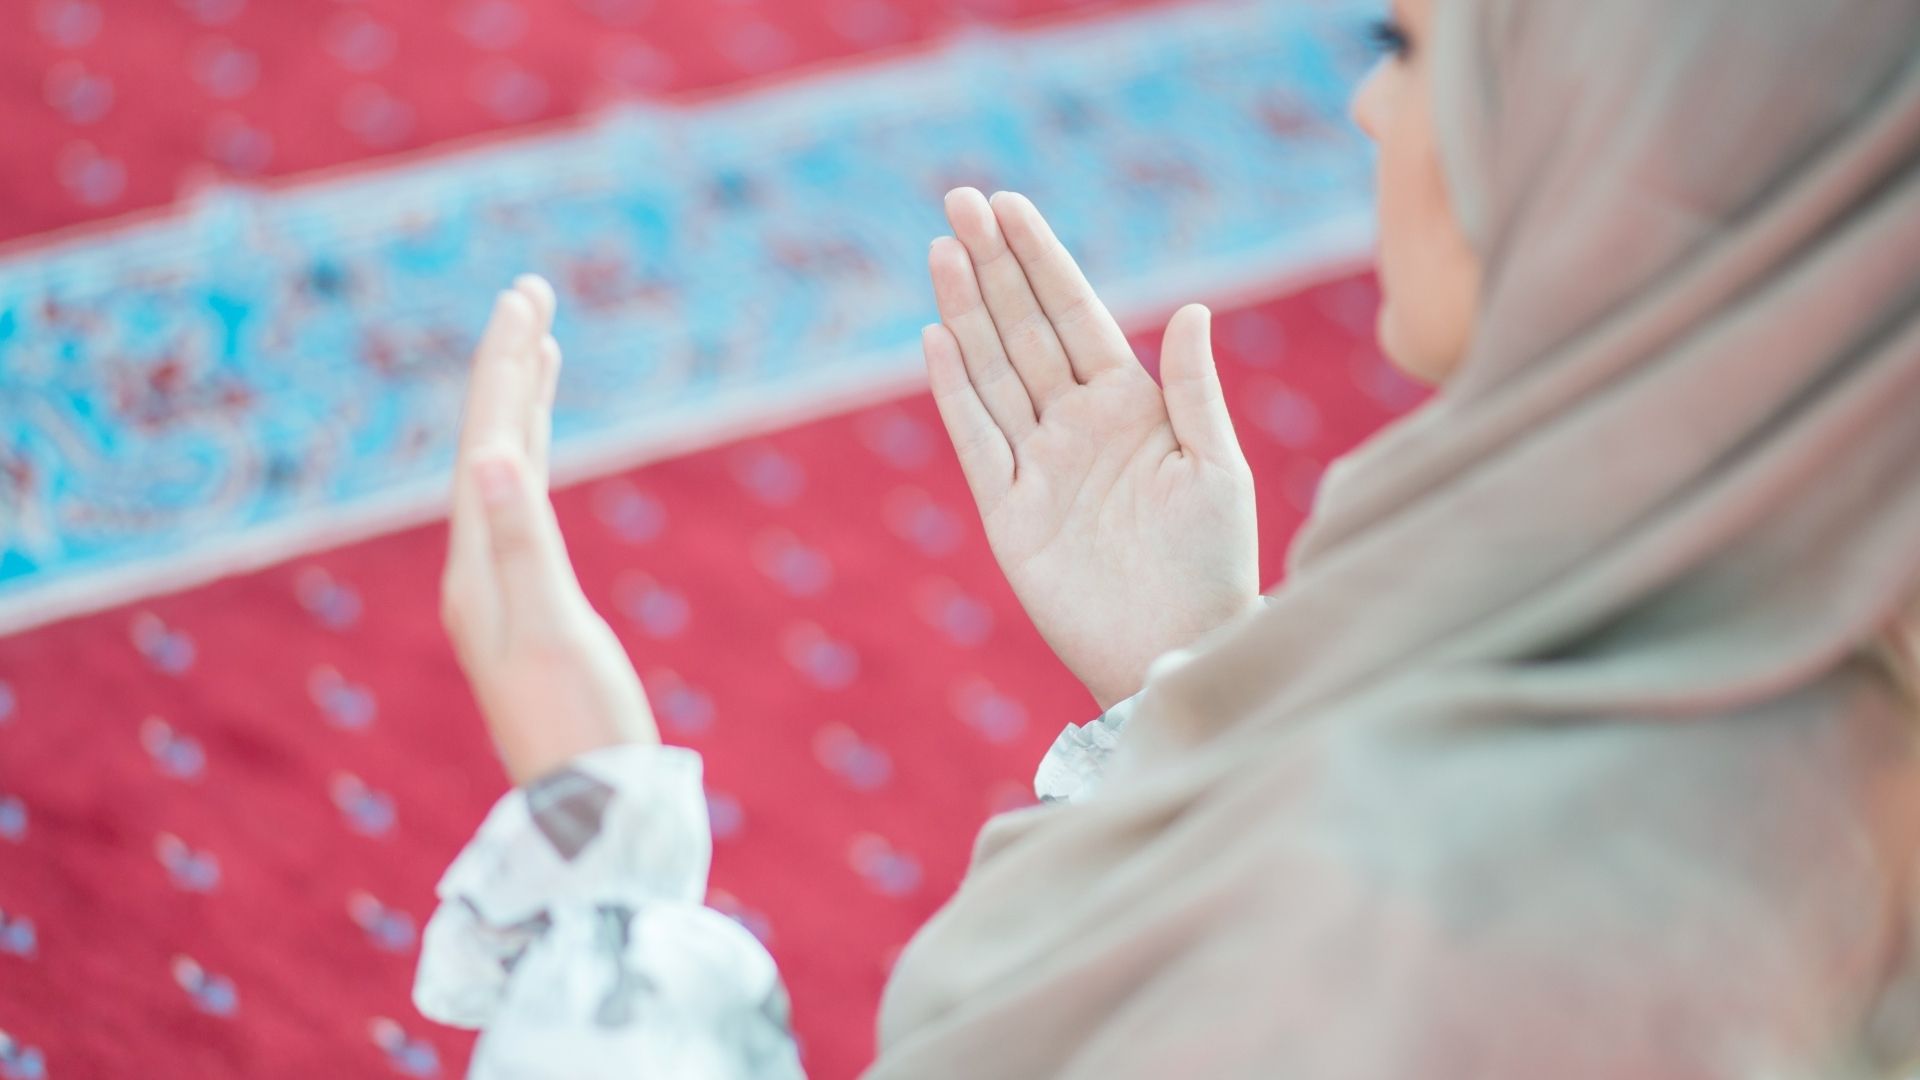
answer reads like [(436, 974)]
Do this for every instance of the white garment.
[(571, 927)]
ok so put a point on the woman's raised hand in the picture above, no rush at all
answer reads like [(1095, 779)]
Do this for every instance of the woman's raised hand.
[(550, 676), (1120, 510)]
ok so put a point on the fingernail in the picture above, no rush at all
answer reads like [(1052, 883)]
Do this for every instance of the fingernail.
[(497, 480)]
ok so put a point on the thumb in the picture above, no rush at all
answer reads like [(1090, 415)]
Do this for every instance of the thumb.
[(1191, 383), (528, 557)]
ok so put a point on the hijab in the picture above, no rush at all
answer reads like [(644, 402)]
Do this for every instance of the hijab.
[(1564, 749)]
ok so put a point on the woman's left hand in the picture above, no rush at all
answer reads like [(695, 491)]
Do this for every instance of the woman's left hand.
[(552, 679)]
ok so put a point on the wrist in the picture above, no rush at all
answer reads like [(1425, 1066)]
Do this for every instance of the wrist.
[(1109, 693), (536, 741), (529, 760)]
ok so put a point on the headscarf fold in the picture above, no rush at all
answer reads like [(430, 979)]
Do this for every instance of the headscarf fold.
[(1564, 749)]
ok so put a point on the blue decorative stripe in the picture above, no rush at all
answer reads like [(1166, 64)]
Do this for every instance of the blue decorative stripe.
[(261, 355)]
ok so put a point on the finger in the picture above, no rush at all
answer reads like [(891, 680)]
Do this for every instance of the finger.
[(540, 437), (1087, 330), (503, 376), (535, 581), (490, 407), (539, 292), (1025, 331), (1195, 405), (957, 293), (985, 457)]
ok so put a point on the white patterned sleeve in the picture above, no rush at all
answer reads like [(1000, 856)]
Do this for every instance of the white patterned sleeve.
[(571, 931), (1072, 767)]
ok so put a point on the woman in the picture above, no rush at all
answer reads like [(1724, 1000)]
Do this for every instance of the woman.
[(1576, 742)]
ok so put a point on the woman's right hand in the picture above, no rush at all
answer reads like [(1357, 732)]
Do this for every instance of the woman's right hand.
[(1120, 510)]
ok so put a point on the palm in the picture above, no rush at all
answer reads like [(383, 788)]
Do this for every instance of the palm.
[(1122, 539)]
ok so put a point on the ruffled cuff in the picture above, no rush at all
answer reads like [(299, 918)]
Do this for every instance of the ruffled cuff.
[(618, 828), (1072, 767)]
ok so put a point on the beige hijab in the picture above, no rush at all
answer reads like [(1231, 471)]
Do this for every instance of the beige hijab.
[(1563, 752)]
